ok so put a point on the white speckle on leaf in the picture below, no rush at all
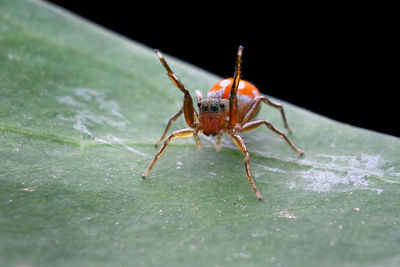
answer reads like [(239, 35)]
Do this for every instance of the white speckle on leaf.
[(85, 119), (69, 101), (292, 185), (28, 189), (178, 164), (100, 98), (341, 170), (269, 169), (242, 255), (285, 214), (13, 57), (115, 139), (257, 235), (240, 197)]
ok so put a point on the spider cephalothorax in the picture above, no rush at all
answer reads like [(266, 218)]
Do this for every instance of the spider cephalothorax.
[(213, 115), (230, 107)]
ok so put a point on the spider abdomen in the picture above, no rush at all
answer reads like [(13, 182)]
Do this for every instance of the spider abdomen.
[(245, 94)]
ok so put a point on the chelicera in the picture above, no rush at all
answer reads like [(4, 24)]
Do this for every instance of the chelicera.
[(229, 108)]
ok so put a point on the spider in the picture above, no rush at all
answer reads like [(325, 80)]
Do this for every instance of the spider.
[(230, 107)]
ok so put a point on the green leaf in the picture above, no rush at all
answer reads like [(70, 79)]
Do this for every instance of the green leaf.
[(80, 111)]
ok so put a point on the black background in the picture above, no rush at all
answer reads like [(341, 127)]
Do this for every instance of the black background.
[(339, 61)]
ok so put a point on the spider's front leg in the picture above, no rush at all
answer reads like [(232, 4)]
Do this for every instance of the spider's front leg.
[(218, 142), (170, 121), (189, 112), (184, 133), (239, 142), (188, 109), (233, 107)]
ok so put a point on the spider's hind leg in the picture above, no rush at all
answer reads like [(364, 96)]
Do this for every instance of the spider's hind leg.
[(249, 126), (255, 107)]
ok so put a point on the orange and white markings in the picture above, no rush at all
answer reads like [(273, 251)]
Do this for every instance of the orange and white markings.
[(245, 94), (246, 90)]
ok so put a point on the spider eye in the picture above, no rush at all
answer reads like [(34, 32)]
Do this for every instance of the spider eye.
[(222, 106), (214, 107), (198, 104), (204, 107)]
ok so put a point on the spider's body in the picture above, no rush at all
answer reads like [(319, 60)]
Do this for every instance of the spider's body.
[(214, 110), (229, 108)]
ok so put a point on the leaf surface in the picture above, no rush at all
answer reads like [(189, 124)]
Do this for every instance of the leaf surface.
[(81, 108)]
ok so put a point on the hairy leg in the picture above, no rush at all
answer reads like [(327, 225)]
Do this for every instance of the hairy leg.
[(184, 133), (249, 126), (218, 142), (188, 109), (171, 120), (255, 105), (233, 94), (242, 146)]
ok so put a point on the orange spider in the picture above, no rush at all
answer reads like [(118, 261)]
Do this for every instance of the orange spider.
[(229, 108)]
